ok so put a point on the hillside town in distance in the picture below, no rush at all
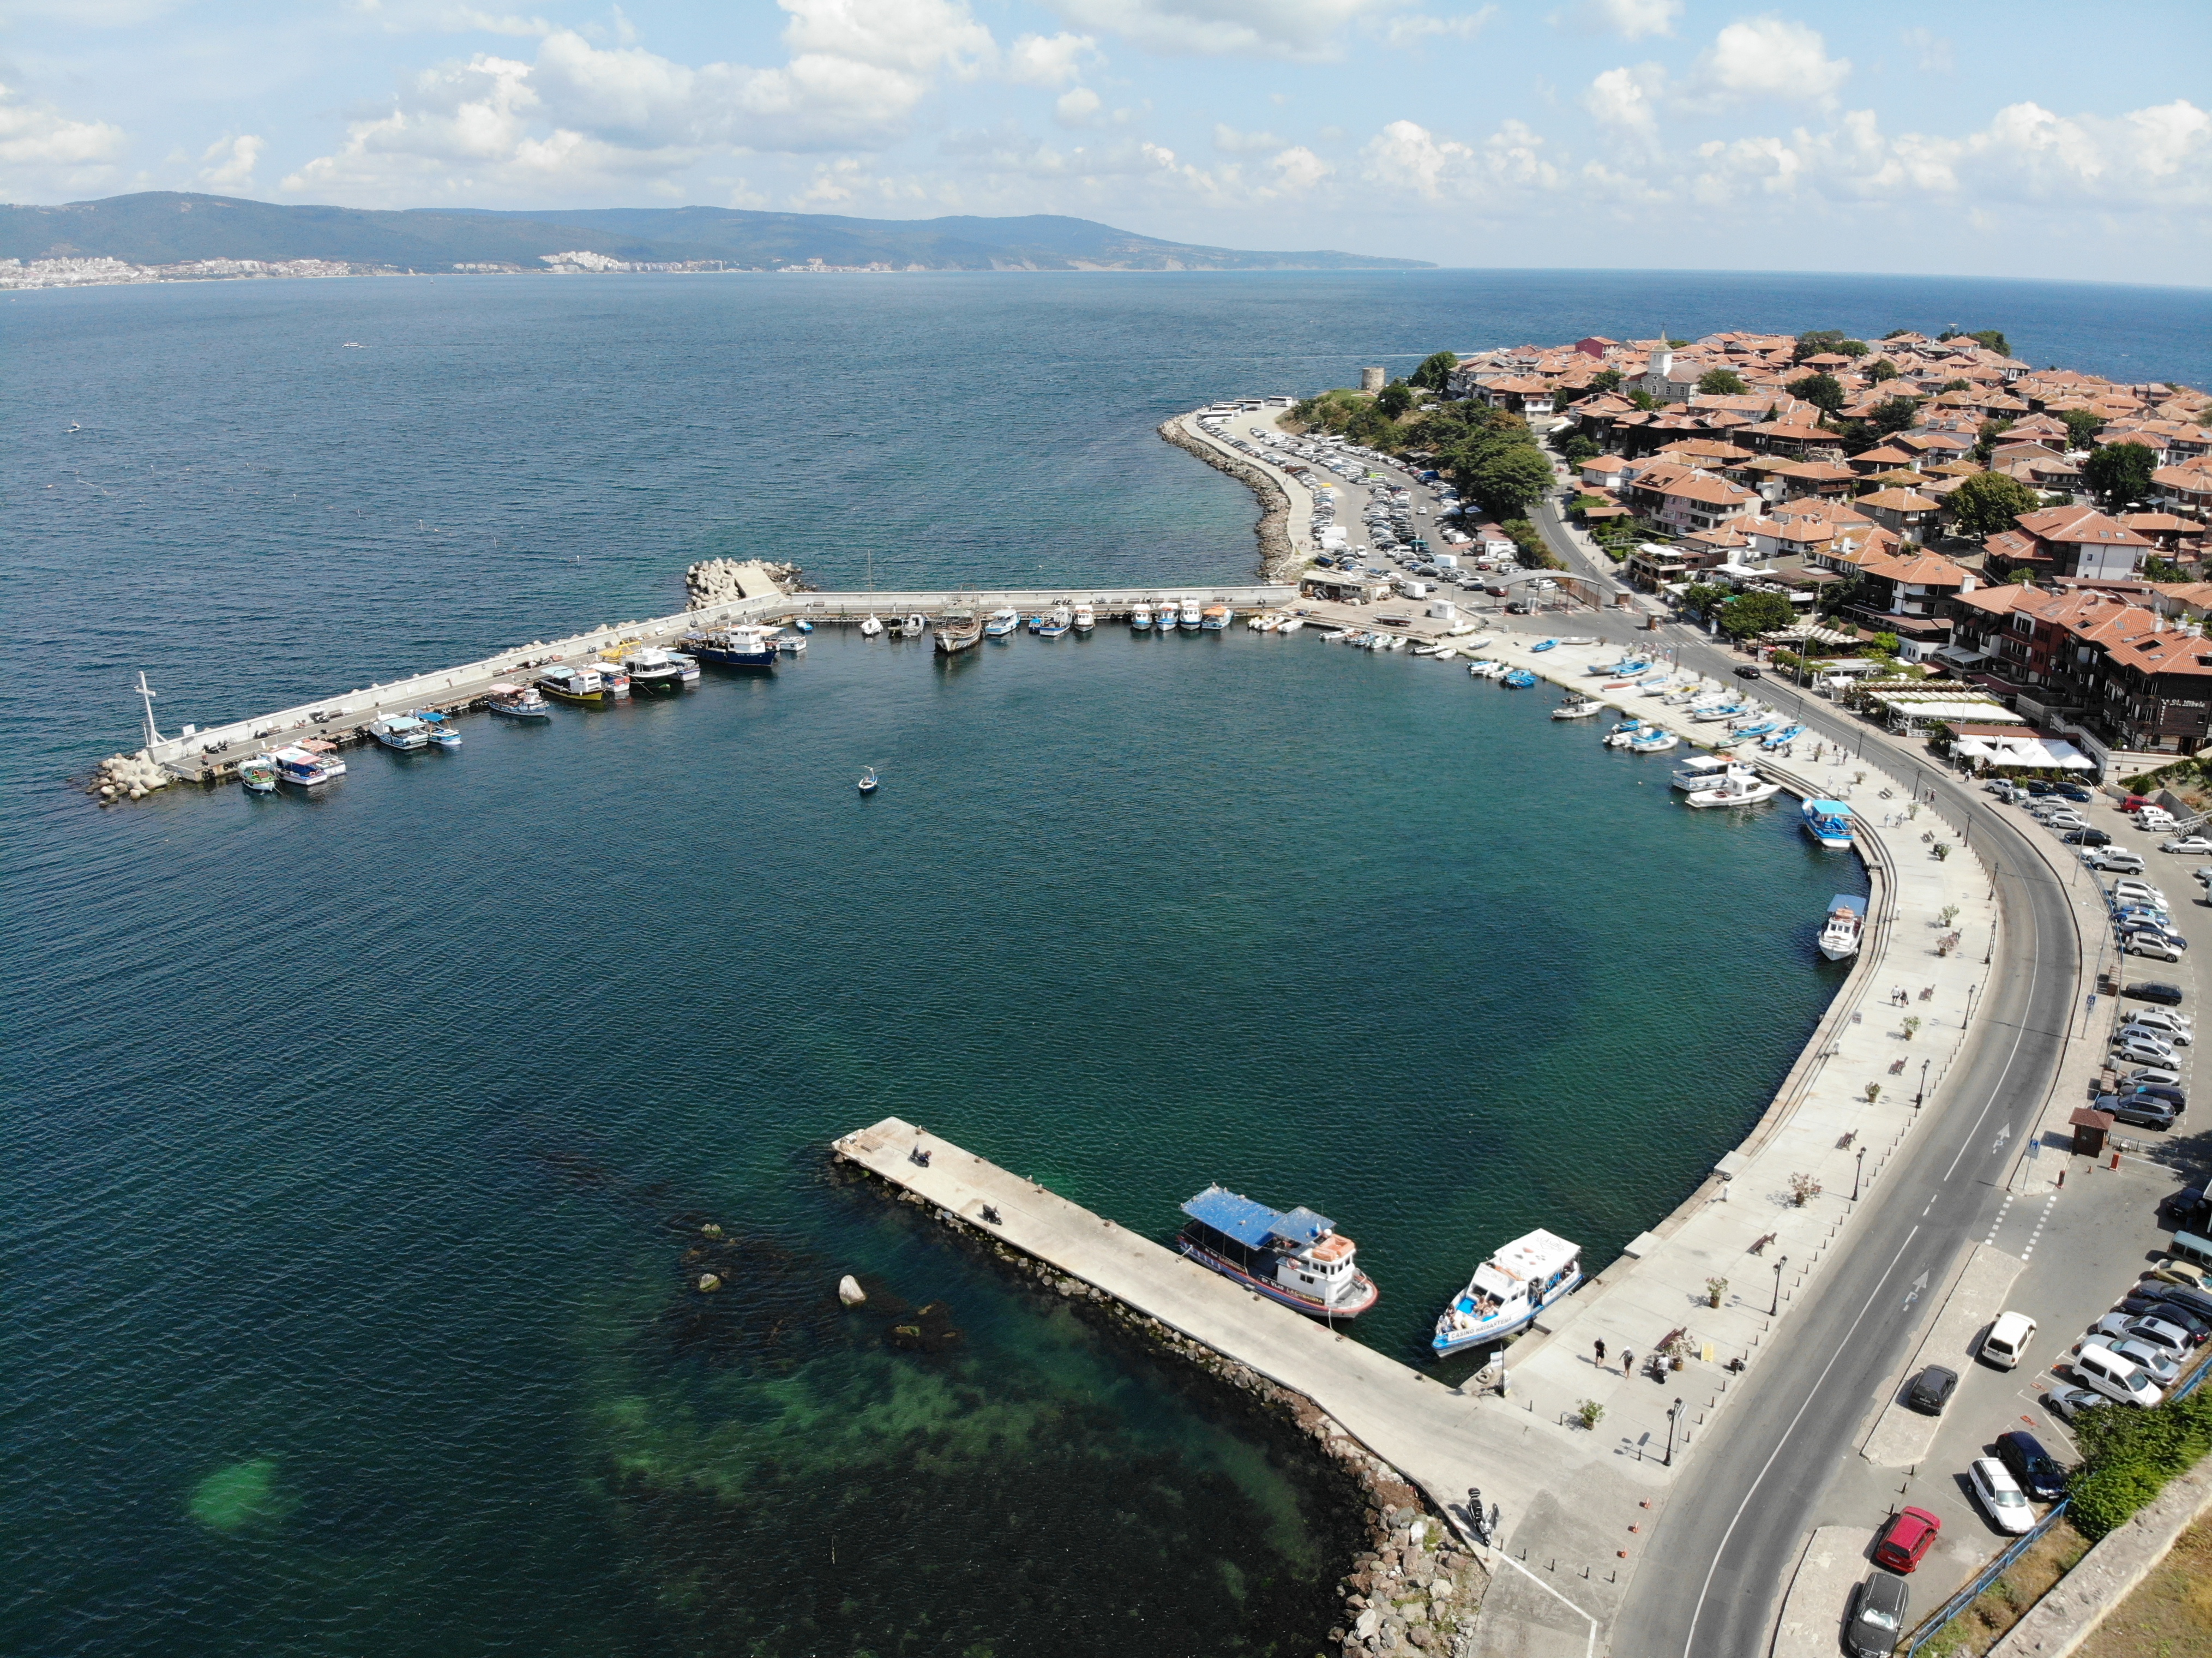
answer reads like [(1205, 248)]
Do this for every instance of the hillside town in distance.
[(1995, 550)]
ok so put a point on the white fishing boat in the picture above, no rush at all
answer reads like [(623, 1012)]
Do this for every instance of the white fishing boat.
[(1140, 617), (518, 702), (1734, 793), (1829, 823), (1216, 618), (402, 732), (1705, 771), (1839, 936), (1190, 614), (306, 765), (1002, 623), (258, 774), (1508, 1291), (1085, 618)]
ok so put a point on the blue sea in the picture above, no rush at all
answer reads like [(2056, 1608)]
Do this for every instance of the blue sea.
[(365, 1149)]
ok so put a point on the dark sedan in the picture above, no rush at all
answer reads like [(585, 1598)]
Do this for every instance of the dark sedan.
[(1747, 672), (2170, 995), (1932, 1389), (2087, 837), (1877, 1616), (2037, 1472)]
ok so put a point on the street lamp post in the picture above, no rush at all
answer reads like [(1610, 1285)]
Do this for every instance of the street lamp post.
[(1918, 1098), (1857, 1173), (1775, 1311), (1671, 1415)]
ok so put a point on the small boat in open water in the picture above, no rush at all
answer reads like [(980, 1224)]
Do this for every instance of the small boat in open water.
[(1299, 1258), (1508, 1291), (867, 779), (1839, 937)]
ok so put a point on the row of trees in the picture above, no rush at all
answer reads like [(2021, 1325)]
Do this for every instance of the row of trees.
[(1490, 455)]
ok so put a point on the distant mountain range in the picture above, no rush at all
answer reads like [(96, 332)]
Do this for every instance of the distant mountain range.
[(160, 227)]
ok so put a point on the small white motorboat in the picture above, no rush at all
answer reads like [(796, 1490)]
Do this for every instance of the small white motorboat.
[(871, 628), (867, 779), (1140, 618), (1839, 937), (1734, 793), (1290, 624), (1578, 707), (1653, 740), (1085, 619)]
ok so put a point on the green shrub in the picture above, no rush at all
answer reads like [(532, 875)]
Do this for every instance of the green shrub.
[(2127, 1455)]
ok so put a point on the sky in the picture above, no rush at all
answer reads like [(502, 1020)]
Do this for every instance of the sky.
[(2029, 139)]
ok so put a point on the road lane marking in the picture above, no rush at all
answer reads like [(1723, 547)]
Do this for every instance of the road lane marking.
[(1590, 1647)]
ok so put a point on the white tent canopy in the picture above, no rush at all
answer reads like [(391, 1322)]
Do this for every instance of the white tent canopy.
[(2044, 752)]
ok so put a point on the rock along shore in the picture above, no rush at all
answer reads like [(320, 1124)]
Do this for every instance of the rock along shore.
[(1277, 562)]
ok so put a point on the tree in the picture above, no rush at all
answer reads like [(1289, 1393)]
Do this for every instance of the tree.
[(1372, 427), (1895, 414), (2119, 473), (1852, 348), (1577, 448), (1504, 478), (1986, 503), (1958, 385), (1897, 333), (1643, 399), (1700, 598), (1395, 399), (1606, 380), (1815, 341), (2081, 425), (1883, 644), (1824, 392), (1720, 383), (1986, 436), (1994, 339), (1756, 613), (1881, 369), (1435, 372)]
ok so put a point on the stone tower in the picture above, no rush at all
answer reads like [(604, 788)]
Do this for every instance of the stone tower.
[(1372, 380)]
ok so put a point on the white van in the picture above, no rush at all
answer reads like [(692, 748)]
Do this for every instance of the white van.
[(2099, 1367), (2006, 1345)]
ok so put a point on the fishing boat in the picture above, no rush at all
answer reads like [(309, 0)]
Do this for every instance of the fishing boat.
[(1577, 707), (687, 667), (1299, 1258), (1744, 733), (1839, 936), (308, 764), (867, 779), (1718, 711), (654, 672), (1735, 792), (518, 702), (1085, 618), (1519, 679), (1214, 618), (961, 631), (258, 774), (1051, 627), (1545, 645), (1140, 618), (585, 685), (1188, 613), (1002, 623), (1485, 667), (1508, 1291), (401, 732), (1706, 771), (1829, 823), (732, 647), (792, 640), (1655, 740), (442, 734)]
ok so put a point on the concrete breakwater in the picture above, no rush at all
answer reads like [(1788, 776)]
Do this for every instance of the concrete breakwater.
[(1279, 561)]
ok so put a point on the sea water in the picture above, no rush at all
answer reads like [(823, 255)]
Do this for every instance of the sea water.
[(366, 1146)]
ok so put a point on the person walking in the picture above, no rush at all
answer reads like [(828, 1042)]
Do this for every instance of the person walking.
[(1627, 1362), (1601, 1352)]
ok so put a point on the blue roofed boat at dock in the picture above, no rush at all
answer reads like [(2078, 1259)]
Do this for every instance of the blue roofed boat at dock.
[(515, 701), (1845, 924), (1299, 1258), (442, 734), (401, 732), (1508, 1291), (1829, 823), (732, 647)]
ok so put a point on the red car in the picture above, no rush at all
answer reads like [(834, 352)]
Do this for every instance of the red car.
[(1907, 1538)]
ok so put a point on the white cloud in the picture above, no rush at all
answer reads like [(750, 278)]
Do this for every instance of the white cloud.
[(1037, 60), (1238, 143), (1406, 155), (1625, 99), (1765, 57), (1297, 170), (229, 163), (1931, 51), (914, 36), (1286, 28), (1076, 106), (1631, 20), (1413, 30), (42, 149)]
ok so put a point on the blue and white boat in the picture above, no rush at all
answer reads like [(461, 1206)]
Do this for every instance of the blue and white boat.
[(1655, 740), (1846, 923), (442, 734), (1508, 1291), (1052, 627), (1521, 679), (1623, 733), (1782, 739), (402, 732), (1829, 823), (1622, 669), (1299, 1258), (733, 647), (1756, 728), (1545, 645), (1001, 624)]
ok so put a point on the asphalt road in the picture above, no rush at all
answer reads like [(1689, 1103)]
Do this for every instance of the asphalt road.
[(1714, 1572)]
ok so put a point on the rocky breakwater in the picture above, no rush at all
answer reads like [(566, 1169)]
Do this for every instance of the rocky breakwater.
[(128, 777), (725, 580), (1278, 561), (1413, 1592)]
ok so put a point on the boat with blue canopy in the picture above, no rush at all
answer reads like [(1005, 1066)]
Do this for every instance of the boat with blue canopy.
[(1299, 1258), (1829, 823)]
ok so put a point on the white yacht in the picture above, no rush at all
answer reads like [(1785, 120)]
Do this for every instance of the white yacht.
[(1707, 771), (1508, 1291), (1735, 792)]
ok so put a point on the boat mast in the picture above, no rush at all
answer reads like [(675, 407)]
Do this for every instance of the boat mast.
[(147, 693)]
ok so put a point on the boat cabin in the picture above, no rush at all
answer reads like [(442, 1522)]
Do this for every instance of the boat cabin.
[(1299, 1256)]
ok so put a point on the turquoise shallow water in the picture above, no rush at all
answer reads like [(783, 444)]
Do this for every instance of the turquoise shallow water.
[(361, 1144)]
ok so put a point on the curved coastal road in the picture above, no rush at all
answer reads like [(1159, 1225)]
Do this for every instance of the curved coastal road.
[(1713, 1574)]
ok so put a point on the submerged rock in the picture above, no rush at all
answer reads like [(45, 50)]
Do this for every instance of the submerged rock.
[(709, 1282)]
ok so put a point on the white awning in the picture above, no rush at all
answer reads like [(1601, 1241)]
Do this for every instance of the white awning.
[(2041, 751)]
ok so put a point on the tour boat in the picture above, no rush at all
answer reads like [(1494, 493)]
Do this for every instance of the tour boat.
[(1735, 792), (1829, 823), (586, 686), (732, 647), (1846, 919), (403, 732), (1215, 617), (308, 764), (961, 631), (1521, 679), (1188, 613), (1140, 617), (258, 774), (1705, 770), (442, 734), (1578, 707), (1299, 1258), (1653, 740), (653, 670), (1085, 618), (1003, 622), (867, 779), (871, 628), (1508, 1291), (518, 702)]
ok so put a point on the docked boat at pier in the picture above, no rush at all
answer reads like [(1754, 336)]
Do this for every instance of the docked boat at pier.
[(402, 734), (518, 702), (1829, 823), (584, 684), (1004, 622), (258, 774), (307, 765), (960, 631), (442, 733), (1299, 1258), (1188, 613), (1735, 791), (1707, 771), (1577, 707), (733, 647), (654, 671), (1846, 923), (1508, 1291), (1215, 618), (1085, 619), (1140, 618)]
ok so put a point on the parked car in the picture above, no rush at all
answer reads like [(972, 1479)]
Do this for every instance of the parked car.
[(2154, 990), (2138, 1112), (2034, 1469), (2064, 818), (1931, 1390), (2157, 1028), (2166, 1093), (2087, 837), (2072, 792), (2159, 1366), (2178, 1298), (2139, 890), (2156, 1075), (2116, 860), (2099, 1367), (2185, 1273), (2003, 1500), (1877, 1615), (1746, 671), (1903, 1542), (2197, 844), (2070, 1404), (2154, 946), (2140, 1051), (2163, 1332)]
